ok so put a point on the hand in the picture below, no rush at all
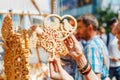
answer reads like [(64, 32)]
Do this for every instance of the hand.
[(114, 59), (56, 70), (73, 46)]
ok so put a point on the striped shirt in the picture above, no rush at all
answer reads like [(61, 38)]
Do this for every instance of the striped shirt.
[(94, 50)]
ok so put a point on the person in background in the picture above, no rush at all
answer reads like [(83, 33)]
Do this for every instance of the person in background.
[(95, 49), (95, 52), (101, 30), (102, 33), (116, 31), (114, 52)]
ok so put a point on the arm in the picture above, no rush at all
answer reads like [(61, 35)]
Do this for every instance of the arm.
[(88, 72), (76, 53)]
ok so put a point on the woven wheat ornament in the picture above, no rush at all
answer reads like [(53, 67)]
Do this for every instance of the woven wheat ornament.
[(56, 30), (15, 55)]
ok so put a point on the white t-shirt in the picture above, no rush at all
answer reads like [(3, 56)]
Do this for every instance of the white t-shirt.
[(104, 38), (113, 49)]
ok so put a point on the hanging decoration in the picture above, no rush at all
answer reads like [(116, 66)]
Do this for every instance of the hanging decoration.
[(55, 32), (16, 52)]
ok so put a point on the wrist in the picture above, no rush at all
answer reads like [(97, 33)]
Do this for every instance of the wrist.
[(86, 69), (83, 64), (81, 60)]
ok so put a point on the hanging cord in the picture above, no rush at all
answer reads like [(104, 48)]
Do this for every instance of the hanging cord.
[(61, 21)]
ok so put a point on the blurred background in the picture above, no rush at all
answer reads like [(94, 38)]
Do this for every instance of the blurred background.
[(36, 9), (104, 8), (27, 12)]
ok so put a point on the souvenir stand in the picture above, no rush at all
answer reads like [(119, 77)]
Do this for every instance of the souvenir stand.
[(21, 45), (17, 47)]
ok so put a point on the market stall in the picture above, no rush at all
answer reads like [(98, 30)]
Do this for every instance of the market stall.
[(26, 50)]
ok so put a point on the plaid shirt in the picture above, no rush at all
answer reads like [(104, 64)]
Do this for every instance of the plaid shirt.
[(94, 53)]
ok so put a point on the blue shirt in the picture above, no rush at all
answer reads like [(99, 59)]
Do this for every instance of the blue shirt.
[(94, 50)]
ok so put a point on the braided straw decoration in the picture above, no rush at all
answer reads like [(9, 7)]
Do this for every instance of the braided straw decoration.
[(51, 44), (6, 26), (64, 28), (53, 36), (15, 56), (25, 33)]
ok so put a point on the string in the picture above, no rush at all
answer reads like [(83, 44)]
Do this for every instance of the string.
[(61, 7)]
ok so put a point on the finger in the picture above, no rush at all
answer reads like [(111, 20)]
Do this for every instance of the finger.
[(69, 43), (51, 68), (53, 75), (53, 64), (73, 54), (58, 63), (66, 43), (73, 38), (55, 67)]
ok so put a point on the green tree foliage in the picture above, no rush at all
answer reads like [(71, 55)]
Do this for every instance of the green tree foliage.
[(104, 16)]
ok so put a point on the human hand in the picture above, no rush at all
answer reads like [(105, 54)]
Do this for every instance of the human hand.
[(73, 46), (56, 70), (114, 59)]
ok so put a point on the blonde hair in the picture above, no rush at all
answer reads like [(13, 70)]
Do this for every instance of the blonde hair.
[(101, 30)]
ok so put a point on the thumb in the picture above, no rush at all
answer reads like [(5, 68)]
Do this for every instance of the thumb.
[(58, 63)]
